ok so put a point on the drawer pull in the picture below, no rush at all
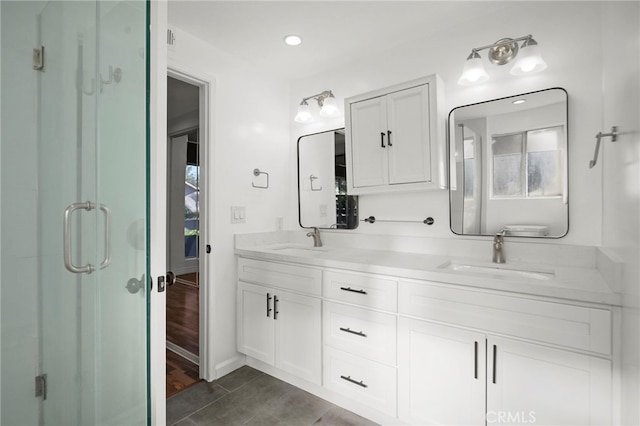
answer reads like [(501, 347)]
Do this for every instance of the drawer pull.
[(348, 330), (350, 380), (353, 290), (495, 354), (475, 360)]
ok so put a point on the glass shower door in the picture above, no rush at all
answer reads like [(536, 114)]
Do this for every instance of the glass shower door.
[(92, 223)]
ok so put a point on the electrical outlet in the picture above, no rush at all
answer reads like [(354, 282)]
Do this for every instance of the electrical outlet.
[(238, 214)]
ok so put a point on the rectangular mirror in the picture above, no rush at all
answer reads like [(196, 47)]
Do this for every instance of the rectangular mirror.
[(508, 166), (323, 201)]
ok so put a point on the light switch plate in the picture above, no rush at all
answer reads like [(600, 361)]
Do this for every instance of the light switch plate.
[(238, 214)]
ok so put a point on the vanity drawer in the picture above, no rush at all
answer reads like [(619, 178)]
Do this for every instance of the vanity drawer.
[(578, 327), (362, 380), (360, 332), (361, 289), (292, 277)]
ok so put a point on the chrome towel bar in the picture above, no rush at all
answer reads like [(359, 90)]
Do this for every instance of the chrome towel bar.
[(614, 137)]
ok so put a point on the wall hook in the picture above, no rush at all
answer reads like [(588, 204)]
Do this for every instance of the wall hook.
[(614, 137), (258, 172), (312, 178), (115, 75)]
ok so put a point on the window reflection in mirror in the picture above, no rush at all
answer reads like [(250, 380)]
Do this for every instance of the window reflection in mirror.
[(323, 201), (508, 166)]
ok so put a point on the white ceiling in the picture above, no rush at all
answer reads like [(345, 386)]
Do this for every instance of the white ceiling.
[(333, 32)]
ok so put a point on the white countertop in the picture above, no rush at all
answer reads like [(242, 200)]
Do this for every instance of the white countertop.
[(567, 283)]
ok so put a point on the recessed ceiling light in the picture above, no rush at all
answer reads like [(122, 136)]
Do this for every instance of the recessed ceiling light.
[(292, 40), (519, 101)]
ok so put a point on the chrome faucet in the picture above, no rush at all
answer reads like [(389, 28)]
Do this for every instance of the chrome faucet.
[(498, 248), (317, 241)]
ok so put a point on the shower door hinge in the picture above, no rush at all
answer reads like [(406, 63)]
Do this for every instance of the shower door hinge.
[(38, 58), (41, 386)]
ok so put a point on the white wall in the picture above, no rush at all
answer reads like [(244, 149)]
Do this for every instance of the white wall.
[(620, 172), (574, 64), (249, 122)]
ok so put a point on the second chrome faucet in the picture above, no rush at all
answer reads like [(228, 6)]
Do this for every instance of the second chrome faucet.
[(315, 233)]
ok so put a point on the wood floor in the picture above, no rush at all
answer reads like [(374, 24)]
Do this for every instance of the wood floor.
[(183, 324), (181, 373), (183, 316)]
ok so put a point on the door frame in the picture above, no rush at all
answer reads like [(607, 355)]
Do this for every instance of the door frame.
[(206, 314), (157, 214)]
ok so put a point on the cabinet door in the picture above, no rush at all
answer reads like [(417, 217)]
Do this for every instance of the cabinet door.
[(368, 132), (409, 135), (298, 335), (532, 384), (441, 374), (255, 323)]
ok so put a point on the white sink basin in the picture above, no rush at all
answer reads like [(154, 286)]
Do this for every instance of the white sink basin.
[(498, 271), (296, 249)]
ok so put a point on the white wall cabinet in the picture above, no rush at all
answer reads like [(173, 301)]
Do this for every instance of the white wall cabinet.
[(394, 138)]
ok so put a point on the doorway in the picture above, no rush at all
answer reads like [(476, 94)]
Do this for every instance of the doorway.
[(184, 229)]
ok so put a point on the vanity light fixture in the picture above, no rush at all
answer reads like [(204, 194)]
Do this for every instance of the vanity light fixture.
[(502, 52), (326, 102)]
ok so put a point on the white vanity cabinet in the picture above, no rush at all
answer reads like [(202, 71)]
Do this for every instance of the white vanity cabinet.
[(549, 365), (279, 327), (359, 334), (394, 138), (404, 350)]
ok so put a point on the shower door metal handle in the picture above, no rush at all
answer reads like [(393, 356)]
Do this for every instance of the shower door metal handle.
[(67, 249), (107, 236)]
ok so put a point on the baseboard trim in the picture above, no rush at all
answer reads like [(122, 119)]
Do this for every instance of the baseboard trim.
[(229, 365), (183, 353)]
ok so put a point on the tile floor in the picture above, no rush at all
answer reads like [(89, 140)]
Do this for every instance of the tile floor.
[(250, 397)]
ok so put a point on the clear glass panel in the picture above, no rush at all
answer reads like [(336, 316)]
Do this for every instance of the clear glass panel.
[(192, 211), (507, 165), (544, 162), (84, 142)]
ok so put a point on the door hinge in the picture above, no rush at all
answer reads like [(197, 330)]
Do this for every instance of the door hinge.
[(41, 386), (38, 58)]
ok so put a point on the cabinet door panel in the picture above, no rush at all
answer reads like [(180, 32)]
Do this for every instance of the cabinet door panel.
[(408, 122), (369, 158), (441, 374), (545, 386), (298, 336), (255, 329)]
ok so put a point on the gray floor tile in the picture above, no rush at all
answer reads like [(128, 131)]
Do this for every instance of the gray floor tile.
[(250, 397), (243, 404), (337, 416), (238, 378), (192, 399), (185, 422), (294, 408)]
